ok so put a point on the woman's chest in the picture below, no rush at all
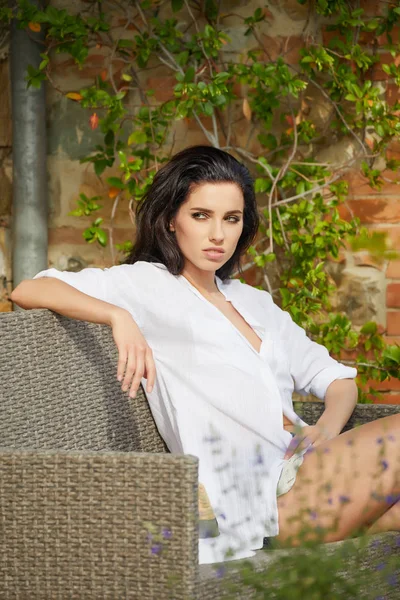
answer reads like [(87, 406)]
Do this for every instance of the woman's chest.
[(239, 323)]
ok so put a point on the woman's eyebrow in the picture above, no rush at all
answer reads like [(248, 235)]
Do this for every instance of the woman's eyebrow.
[(212, 212)]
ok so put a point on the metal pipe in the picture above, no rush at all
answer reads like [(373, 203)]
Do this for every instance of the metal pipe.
[(30, 203)]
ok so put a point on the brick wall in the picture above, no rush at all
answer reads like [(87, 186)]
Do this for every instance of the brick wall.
[(366, 290)]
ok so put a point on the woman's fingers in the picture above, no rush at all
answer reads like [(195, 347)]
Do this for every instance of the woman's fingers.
[(297, 444), (130, 369), (138, 373), (123, 355)]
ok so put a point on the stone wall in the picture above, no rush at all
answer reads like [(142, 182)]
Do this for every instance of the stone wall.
[(366, 290)]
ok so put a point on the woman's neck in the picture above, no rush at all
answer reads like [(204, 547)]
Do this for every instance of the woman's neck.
[(204, 281)]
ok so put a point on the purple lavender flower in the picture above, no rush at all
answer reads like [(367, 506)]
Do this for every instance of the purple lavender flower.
[(149, 537), (380, 567), (313, 515), (379, 440), (384, 464), (391, 438), (259, 460), (392, 498), (156, 549), (166, 533), (392, 579), (330, 501), (220, 572), (344, 499)]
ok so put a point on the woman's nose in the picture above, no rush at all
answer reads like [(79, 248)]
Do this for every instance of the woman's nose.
[(217, 232)]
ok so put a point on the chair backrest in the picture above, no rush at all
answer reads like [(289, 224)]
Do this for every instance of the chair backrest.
[(59, 388)]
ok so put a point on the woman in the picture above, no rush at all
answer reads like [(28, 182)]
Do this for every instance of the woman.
[(221, 361)]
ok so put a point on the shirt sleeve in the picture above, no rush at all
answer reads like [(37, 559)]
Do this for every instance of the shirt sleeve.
[(119, 285), (311, 366), (90, 281)]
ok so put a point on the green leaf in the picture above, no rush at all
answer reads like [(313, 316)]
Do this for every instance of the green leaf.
[(369, 328), (137, 137), (176, 5), (208, 108), (260, 185), (189, 75), (100, 167), (125, 43), (102, 237), (182, 58), (115, 182)]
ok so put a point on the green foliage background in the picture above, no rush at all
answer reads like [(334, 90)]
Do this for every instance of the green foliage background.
[(299, 196)]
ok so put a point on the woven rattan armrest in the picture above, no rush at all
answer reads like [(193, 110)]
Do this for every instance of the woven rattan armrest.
[(83, 524)]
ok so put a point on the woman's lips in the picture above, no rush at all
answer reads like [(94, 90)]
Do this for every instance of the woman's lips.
[(214, 254)]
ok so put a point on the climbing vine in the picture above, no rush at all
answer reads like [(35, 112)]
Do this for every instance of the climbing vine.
[(256, 106)]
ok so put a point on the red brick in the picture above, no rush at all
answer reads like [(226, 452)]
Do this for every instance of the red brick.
[(391, 340), (388, 399), (376, 72), (393, 150), (286, 47), (359, 185), (193, 125), (393, 270), (352, 354), (372, 210), (327, 36), (392, 93), (393, 322), (73, 235), (393, 295), (389, 385), (163, 87), (371, 8), (395, 35)]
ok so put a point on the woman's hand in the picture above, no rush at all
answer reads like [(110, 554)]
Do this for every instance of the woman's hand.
[(134, 353), (311, 434)]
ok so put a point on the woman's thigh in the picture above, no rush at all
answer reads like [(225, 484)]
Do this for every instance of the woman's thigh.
[(344, 483)]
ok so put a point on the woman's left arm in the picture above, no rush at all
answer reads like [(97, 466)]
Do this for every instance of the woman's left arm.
[(315, 372), (340, 401)]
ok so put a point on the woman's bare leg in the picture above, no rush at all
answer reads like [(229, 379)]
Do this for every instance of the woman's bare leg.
[(389, 521), (345, 484)]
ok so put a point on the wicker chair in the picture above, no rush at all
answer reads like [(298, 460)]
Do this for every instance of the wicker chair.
[(87, 484)]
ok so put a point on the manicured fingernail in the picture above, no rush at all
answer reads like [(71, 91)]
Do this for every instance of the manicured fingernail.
[(149, 389), (132, 395)]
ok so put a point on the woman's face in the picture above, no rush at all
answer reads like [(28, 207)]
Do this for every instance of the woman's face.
[(212, 216)]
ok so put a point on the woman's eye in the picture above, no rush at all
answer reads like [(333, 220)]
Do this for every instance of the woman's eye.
[(235, 219)]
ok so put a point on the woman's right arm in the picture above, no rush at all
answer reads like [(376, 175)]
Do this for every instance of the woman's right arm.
[(60, 297), (56, 295)]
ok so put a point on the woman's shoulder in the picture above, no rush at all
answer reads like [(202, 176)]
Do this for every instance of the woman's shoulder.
[(141, 269)]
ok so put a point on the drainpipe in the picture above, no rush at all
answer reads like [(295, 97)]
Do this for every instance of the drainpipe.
[(29, 210)]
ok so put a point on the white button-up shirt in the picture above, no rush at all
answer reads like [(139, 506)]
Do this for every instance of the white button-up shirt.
[(215, 396)]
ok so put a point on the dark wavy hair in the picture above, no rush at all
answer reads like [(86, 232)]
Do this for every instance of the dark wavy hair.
[(171, 186)]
